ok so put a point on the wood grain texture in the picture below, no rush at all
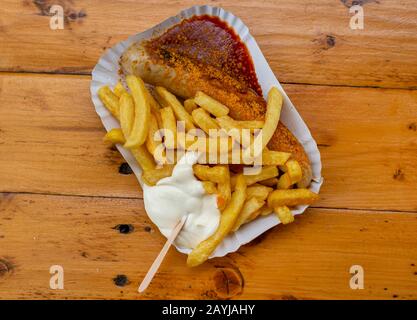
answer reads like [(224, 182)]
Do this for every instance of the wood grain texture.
[(304, 41), (51, 142), (309, 259), (51, 139)]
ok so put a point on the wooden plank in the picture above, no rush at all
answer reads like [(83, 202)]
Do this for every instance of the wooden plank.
[(309, 259), (368, 142), (51, 142), (304, 41)]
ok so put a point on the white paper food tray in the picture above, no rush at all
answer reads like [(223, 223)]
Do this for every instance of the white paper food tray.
[(106, 72)]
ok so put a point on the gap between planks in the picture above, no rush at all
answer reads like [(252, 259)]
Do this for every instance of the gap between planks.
[(356, 210), (6, 72)]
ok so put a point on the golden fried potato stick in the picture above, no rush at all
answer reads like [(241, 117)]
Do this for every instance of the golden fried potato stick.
[(227, 123), (225, 189), (284, 182), (271, 182), (293, 174), (209, 187), (216, 174), (292, 197), (274, 158), (177, 107), (190, 105), (204, 121), (115, 136), (141, 100), (119, 90), (284, 214), (152, 177), (213, 106), (259, 191), (110, 100), (250, 124), (251, 205), (161, 102), (269, 158), (233, 129), (142, 156), (227, 221), (157, 115), (209, 145), (152, 142), (155, 105), (265, 210), (294, 170), (127, 113), (266, 173), (169, 124), (273, 112)]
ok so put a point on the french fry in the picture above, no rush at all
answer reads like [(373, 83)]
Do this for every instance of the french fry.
[(227, 220), (158, 117), (258, 191), (265, 210), (274, 158), (253, 216), (119, 90), (203, 120), (177, 107), (161, 101), (251, 205), (271, 182), (227, 123), (169, 156), (152, 142), (217, 174), (269, 158), (155, 106), (291, 197), (209, 187), (170, 128), (284, 214), (151, 177), (292, 174), (282, 167), (143, 157), (232, 129), (190, 105), (141, 154), (265, 174), (224, 188), (127, 113), (110, 100), (294, 170), (250, 124), (211, 105), (115, 136), (273, 112), (209, 145), (284, 182), (140, 127)]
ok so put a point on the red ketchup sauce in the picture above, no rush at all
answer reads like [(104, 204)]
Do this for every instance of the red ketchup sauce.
[(208, 40)]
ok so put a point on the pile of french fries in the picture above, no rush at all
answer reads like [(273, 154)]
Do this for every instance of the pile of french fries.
[(241, 198)]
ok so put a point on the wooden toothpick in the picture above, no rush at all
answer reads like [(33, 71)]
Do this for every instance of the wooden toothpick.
[(155, 265)]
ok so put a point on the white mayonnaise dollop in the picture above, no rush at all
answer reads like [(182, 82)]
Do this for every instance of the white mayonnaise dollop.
[(179, 195)]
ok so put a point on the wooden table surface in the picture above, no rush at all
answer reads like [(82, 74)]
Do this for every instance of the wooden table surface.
[(61, 193)]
